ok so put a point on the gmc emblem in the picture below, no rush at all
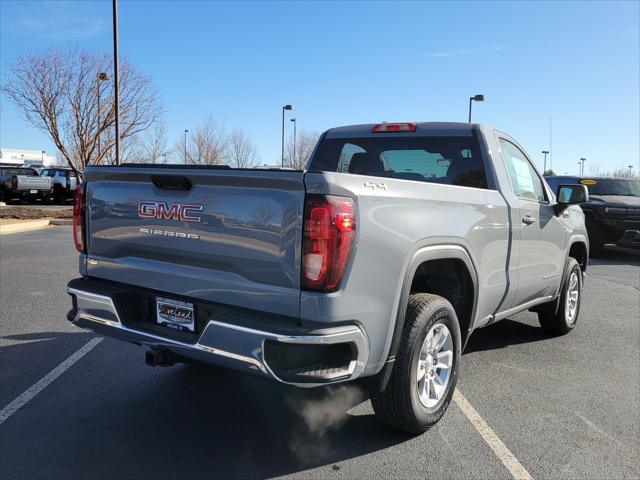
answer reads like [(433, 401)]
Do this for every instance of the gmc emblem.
[(175, 211)]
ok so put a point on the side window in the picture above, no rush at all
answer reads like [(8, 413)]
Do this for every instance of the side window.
[(525, 181), (346, 155)]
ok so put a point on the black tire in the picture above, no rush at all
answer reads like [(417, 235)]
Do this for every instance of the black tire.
[(399, 405), (59, 196), (596, 240), (556, 321)]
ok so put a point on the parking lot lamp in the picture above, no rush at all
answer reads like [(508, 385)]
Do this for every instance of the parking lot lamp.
[(477, 98), (42, 160), (582, 160), (630, 167), (546, 152), (116, 90), (284, 107), (102, 76), (294, 140), (185, 146)]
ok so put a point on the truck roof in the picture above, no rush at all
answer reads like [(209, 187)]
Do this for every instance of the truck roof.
[(589, 177), (422, 128)]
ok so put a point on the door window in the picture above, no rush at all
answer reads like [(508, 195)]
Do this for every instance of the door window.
[(525, 181)]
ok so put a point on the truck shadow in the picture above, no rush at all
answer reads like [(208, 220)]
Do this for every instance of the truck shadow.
[(503, 334), (614, 255), (115, 417)]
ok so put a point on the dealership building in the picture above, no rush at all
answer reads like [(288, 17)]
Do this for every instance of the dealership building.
[(27, 157)]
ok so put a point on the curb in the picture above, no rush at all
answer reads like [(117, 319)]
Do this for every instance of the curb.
[(61, 221), (29, 225)]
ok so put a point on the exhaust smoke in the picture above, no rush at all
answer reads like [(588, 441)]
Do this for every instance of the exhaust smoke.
[(320, 416)]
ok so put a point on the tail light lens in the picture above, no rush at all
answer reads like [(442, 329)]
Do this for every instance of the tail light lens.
[(78, 219), (329, 230)]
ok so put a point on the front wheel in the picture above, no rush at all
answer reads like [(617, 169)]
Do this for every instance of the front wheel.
[(562, 320), (425, 371)]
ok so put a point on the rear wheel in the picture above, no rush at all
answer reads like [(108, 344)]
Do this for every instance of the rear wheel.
[(59, 196), (562, 320), (596, 240), (425, 371)]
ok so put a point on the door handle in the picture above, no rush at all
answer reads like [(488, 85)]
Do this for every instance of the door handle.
[(528, 220)]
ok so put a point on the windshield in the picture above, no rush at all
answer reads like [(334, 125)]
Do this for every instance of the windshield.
[(610, 186), (28, 172)]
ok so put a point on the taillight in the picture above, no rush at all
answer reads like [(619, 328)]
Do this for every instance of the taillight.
[(78, 219), (394, 127), (329, 229)]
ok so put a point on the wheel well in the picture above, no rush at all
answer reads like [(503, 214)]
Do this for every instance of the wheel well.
[(579, 251), (448, 278)]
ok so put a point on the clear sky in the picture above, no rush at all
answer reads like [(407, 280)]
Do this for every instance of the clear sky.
[(357, 62)]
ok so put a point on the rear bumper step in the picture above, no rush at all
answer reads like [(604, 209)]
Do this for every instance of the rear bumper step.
[(295, 355)]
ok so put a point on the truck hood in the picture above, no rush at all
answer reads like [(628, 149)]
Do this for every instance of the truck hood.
[(615, 200)]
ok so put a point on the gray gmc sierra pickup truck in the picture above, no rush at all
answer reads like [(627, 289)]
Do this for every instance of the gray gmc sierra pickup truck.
[(377, 260)]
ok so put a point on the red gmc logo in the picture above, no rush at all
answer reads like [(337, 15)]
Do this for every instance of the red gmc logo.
[(174, 211)]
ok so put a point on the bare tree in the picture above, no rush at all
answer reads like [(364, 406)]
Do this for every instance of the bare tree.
[(597, 171), (152, 147), (61, 94), (305, 142), (241, 152), (206, 145)]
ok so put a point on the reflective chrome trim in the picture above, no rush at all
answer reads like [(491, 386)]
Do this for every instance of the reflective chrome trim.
[(243, 349)]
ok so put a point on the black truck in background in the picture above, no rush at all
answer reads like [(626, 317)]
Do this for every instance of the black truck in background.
[(612, 213)]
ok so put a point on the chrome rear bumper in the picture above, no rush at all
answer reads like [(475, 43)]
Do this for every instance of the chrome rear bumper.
[(230, 345)]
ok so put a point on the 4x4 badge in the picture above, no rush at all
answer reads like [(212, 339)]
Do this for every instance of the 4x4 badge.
[(374, 185)]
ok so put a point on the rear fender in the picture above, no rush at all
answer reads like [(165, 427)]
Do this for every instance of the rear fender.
[(435, 252)]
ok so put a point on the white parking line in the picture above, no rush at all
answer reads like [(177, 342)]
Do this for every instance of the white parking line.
[(36, 388), (508, 459)]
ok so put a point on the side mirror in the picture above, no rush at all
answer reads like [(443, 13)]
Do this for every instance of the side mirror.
[(570, 195)]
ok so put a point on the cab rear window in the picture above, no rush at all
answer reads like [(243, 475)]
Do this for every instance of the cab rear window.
[(28, 172), (444, 160)]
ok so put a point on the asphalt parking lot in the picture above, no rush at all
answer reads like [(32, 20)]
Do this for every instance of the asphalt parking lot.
[(565, 407)]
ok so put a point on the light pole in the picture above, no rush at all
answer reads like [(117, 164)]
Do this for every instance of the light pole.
[(294, 141), (582, 160), (102, 76), (284, 107), (546, 152), (42, 160), (630, 167), (185, 146), (115, 79), (477, 98)]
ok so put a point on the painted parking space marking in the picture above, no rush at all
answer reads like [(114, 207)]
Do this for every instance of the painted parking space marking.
[(507, 458), (37, 387)]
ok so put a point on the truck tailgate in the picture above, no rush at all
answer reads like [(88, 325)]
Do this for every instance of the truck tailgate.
[(227, 236), (25, 182)]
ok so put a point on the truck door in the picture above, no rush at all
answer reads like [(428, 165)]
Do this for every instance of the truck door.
[(540, 232)]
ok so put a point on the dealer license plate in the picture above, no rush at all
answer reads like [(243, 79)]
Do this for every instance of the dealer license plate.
[(175, 314)]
